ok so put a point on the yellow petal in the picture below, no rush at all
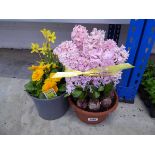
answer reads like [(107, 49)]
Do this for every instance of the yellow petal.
[(37, 75)]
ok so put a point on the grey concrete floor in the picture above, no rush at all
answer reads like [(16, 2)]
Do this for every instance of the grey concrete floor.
[(18, 114)]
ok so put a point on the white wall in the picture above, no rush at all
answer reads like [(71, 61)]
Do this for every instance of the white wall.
[(21, 34)]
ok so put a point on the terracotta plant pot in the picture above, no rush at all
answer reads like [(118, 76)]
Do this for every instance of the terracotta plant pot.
[(92, 117), (50, 109)]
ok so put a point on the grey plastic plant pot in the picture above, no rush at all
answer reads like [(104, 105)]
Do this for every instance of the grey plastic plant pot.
[(51, 109)]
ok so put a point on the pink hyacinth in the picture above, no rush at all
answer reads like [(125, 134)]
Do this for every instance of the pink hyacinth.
[(78, 35), (88, 51)]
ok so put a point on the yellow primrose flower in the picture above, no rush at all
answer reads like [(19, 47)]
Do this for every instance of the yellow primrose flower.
[(48, 84), (47, 66), (55, 79), (55, 88), (33, 68), (37, 75), (51, 37), (35, 48), (44, 49)]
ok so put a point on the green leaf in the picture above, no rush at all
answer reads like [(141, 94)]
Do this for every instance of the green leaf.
[(107, 89), (62, 88), (96, 94), (42, 96), (66, 95), (76, 93), (54, 70), (83, 95), (29, 86), (92, 88), (79, 88), (148, 81), (101, 88)]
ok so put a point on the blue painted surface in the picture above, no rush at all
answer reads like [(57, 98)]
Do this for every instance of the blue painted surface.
[(132, 43), (141, 47), (143, 54)]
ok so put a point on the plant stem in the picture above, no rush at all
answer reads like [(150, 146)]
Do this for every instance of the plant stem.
[(40, 56)]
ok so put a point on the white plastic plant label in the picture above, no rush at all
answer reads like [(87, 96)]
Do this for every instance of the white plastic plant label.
[(92, 119)]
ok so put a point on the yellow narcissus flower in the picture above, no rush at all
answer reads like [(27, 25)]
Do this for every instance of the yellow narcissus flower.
[(44, 49), (49, 35), (42, 65), (35, 48), (37, 75), (55, 79), (44, 32), (49, 84), (52, 37)]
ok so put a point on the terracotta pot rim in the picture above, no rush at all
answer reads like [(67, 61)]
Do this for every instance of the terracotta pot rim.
[(94, 113)]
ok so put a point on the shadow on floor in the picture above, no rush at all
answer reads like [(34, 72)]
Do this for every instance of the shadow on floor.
[(14, 63)]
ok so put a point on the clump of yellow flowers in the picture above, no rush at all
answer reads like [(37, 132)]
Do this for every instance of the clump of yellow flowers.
[(42, 84)]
